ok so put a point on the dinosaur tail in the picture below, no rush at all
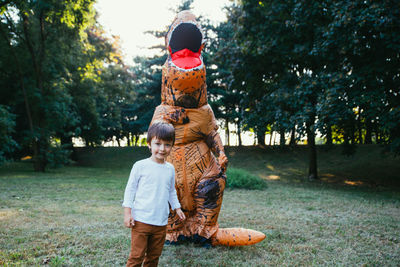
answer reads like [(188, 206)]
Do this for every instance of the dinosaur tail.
[(233, 237)]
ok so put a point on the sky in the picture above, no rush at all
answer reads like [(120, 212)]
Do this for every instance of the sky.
[(129, 19)]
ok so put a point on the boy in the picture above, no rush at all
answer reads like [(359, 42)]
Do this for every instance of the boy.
[(150, 187)]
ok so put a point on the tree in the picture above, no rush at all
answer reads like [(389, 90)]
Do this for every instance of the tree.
[(327, 66), (221, 56), (147, 94), (362, 52), (7, 124), (70, 82), (34, 29), (280, 41)]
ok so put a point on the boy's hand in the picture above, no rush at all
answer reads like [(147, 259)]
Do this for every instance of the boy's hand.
[(128, 220), (180, 213)]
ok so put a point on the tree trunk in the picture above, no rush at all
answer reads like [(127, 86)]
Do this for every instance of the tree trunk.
[(39, 164), (261, 137), (368, 133), (329, 135), (227, 139), (293, 137), (329, 140), (118, 141), (360, 135), (35, 143), (271, 135), (136, 140), (128, 139), (312, 167), (41, 142), (239, 133), (282, 140)]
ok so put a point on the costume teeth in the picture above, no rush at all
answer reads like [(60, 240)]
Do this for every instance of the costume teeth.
[(185, 70)]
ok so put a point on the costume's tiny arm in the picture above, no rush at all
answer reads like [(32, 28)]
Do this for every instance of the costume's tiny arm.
[(158, 114), (174, 115)]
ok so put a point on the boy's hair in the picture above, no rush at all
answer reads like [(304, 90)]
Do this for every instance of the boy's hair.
[(162, 130)]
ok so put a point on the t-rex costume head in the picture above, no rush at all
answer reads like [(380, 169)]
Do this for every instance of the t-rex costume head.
[(184, 73)]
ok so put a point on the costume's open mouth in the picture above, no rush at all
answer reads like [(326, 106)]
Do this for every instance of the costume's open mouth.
[(185, 46)]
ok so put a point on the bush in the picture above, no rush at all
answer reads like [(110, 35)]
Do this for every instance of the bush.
[(239, 178)]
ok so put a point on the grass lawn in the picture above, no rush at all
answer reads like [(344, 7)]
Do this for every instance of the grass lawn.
[(72, 216)]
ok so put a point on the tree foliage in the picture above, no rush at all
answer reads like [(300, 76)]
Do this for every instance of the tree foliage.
[(7, 124), (56, 77), (321, 66), (313, 69)]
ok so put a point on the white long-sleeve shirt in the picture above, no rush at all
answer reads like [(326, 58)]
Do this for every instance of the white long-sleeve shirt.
[(150, 187)]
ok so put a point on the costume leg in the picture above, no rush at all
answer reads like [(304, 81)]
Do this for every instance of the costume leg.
[(174, 226), (139, 236), (155, 246), (185, 180), (200, 185), (208, 196)]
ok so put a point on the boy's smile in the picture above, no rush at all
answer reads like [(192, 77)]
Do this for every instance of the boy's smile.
[(160, 149)]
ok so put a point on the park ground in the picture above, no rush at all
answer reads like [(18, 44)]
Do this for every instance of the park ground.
[(72, 216)]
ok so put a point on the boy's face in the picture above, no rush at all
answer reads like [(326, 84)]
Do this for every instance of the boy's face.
[(160, 149)]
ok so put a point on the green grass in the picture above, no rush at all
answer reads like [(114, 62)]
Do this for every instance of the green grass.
[(72, 216)]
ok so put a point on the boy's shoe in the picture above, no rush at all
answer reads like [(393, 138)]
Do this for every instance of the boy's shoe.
[(204, 242), (169, 243), (198, 239), (207, 245), (182, 238)]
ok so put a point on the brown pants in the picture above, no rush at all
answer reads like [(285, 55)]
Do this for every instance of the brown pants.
[(147, 242)]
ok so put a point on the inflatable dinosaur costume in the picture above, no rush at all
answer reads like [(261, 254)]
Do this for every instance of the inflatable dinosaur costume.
[(200, 177)]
